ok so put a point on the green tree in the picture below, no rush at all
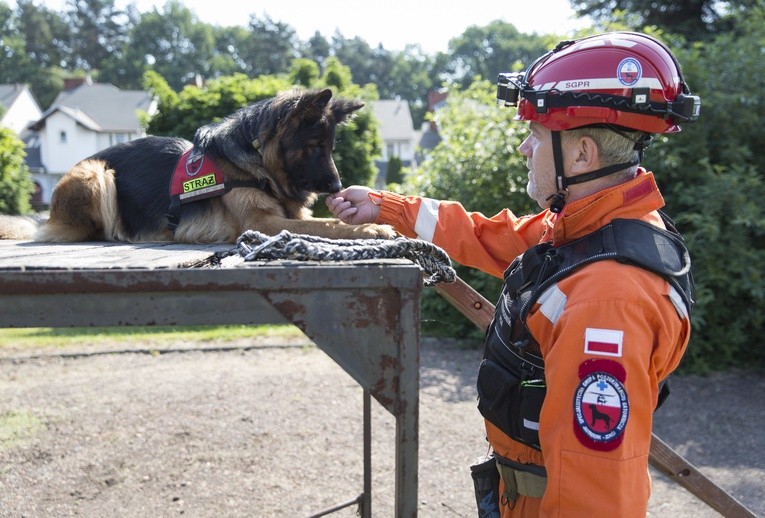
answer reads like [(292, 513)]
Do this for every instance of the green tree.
[(30, 49), (47, 35), (693, 19), (271, 47), (497, 47), (304, 72), (230, 50), (173, 42), (395, 171), (16, 184), (180, 114), (317, 49), (411, 75), (712, 177), (477, 163), (356, 54), (100, 31)]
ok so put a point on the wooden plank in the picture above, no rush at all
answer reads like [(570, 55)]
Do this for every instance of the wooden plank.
[(669, 462)]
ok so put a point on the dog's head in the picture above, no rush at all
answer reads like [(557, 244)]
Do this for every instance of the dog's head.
[(304, 139), (287, 139)]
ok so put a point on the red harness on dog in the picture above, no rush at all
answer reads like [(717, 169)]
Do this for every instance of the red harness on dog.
[(197, 177)]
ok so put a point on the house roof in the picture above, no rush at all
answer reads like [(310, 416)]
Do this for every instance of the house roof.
[(101, 107), (395, 119), (429, 139), (18, 107), (9, 93)]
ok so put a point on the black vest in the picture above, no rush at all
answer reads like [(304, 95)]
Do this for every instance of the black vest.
[(511, 378)]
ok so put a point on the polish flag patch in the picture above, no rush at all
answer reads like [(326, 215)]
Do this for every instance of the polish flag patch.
[(603, 342)]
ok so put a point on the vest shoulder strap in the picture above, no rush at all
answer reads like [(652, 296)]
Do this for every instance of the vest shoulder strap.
[(628, 241)]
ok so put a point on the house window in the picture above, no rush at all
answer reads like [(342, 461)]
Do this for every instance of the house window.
[(117, 138), (391, 150), (62, 137)]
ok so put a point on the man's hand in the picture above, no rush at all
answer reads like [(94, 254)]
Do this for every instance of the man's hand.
[(355, 205)]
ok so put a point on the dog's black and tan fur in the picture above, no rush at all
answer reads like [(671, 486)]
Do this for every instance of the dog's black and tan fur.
[(122, 194)]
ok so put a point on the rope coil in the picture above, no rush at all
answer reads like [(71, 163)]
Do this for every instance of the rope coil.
[(253, 245)]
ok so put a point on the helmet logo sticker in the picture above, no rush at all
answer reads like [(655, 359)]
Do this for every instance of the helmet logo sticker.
[(629, 71)]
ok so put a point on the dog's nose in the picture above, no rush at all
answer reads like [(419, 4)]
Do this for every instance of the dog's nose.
[(334, 187)]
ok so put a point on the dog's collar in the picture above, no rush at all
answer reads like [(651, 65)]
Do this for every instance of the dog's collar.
[(196, 177)]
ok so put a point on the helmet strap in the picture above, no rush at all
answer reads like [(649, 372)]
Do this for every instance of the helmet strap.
[(558, 201), (600, 173), (559, 198)]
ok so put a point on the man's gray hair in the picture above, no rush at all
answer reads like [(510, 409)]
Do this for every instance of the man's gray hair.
[(614, 147)]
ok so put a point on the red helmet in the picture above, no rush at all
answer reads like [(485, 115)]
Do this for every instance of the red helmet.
[(622, 79)]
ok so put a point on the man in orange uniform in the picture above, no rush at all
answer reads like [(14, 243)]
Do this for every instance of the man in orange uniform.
[(569, 384)]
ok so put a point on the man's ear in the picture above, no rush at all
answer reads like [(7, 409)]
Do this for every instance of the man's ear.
[(584, 156)]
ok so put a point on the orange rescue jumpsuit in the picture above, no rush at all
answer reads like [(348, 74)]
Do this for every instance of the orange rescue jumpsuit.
[(605, 295)]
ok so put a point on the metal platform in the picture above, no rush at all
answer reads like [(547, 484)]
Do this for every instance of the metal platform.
[(364, 315)]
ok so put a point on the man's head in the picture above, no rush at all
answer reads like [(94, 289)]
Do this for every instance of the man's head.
[(583, 150), (621, 83)]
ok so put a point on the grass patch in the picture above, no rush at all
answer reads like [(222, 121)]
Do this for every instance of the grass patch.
[(65, 336), (15, 426)]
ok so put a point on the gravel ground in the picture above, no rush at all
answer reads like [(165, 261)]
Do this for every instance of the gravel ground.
[(274, 429)]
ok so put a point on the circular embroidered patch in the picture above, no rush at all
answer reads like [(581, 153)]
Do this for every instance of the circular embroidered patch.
[(629, 71), (601, 410)]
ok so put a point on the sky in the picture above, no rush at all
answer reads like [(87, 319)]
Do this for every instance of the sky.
[(393, 23)]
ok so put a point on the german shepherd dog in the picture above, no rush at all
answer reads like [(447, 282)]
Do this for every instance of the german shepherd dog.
[(272, 159)]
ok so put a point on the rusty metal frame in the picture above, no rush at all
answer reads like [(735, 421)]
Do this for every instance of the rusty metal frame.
[(365, 316)]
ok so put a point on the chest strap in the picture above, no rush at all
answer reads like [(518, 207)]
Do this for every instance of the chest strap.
[(196, 177)]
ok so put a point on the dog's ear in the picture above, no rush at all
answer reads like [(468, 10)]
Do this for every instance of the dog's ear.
[(203, 136), (342, 108), (310, 108)]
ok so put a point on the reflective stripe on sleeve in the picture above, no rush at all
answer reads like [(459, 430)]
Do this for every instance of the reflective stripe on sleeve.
[(677, 301), (427, 219), (553, 302)]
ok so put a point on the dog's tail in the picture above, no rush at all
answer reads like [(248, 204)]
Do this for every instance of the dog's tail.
[(19, 227), (84, 206)]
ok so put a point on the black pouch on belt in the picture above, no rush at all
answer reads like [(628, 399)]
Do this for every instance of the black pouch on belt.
[(509, 403), (486, 484)]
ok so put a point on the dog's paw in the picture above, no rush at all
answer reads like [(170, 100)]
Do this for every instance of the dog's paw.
[(375, 231)]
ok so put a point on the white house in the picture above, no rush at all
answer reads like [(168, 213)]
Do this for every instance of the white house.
[(398, 135), (20, 108), (83, 120)]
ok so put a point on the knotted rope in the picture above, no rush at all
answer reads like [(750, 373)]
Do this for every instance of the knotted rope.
[(253, 245)]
